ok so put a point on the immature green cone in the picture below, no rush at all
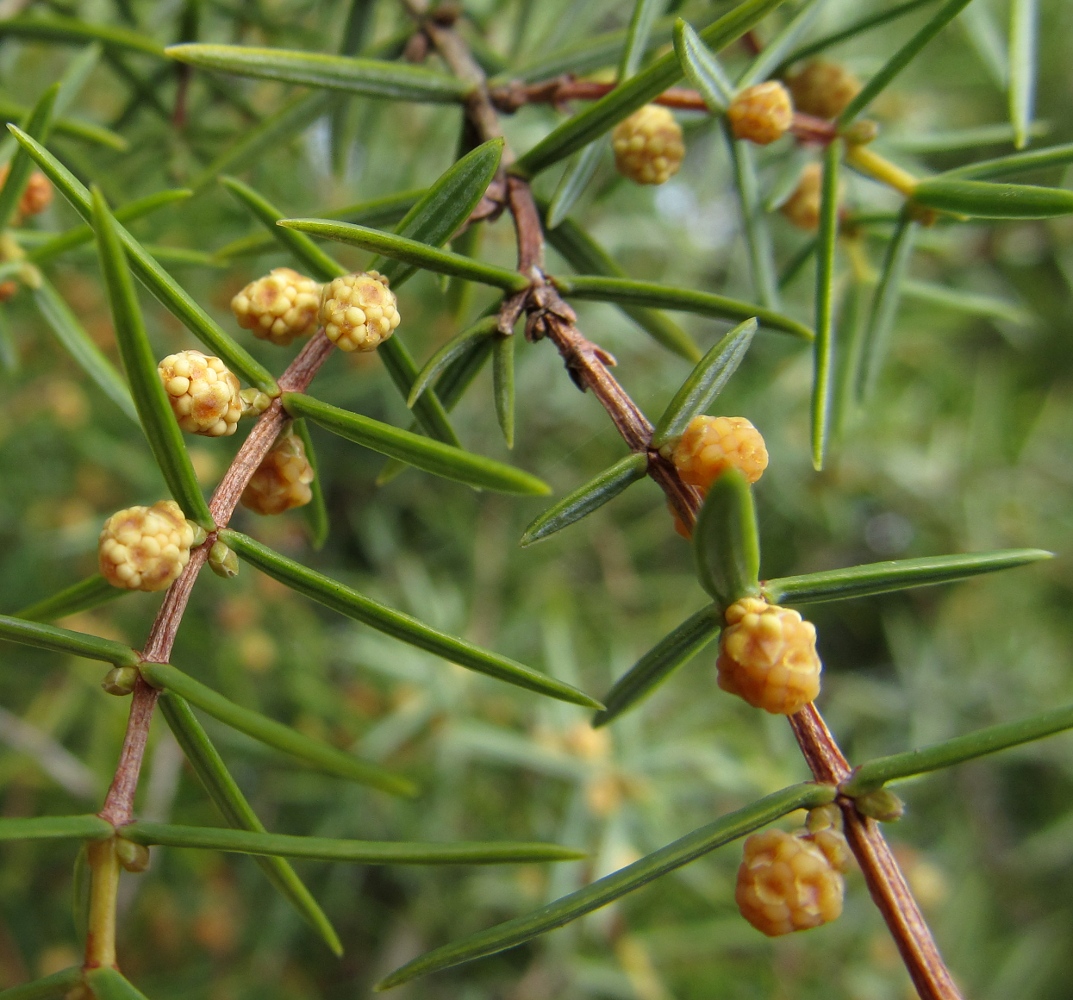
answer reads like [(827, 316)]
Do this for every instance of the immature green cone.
[(648, 145), (120, 681), (133, 857), (281, 480), (204, 395), (785, 884), (279, 307), (223, 561), (358, 311), (767, 655), (762, 113), (145, 548), (823, 88)]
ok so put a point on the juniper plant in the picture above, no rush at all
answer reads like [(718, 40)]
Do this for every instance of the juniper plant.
[(743, 68)]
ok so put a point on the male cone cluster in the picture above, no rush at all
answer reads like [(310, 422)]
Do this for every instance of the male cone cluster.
[(145, 548), (802, 208), (767, 655), (204, 395), (648, 145), (761, 114), (279, 307), (710, 446), (790, 882), (281, 480), (359, 311), (823, 88)]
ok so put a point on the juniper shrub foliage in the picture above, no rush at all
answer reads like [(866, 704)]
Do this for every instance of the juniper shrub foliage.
[(843, 226)]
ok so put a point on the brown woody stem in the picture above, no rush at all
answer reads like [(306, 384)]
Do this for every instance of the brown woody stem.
[(588, 365), (119, 804)]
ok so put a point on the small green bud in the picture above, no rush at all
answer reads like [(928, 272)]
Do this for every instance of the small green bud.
[(133, 857), (862, 132), (254, 402), (223, 561), (120, 681), (199, 533), (881, 804)]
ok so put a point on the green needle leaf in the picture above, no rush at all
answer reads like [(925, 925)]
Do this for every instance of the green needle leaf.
[(885, 304), (369, 852), (754, 222), (423, 453), (851, 30), (645, 13), (895, 574), (1024, 57), (109, 984), (503, 384), (63, 640), (81, 235), (446, 204), (49, 988), (326, 758), (74, 31), (306, 252), (389, 208), (158, 421), (80, 596), (412, 252), (579, 172), (651, 293), (705, 382), (725, 540), (396, 81), (602, 115), (586, 498), (967, 302), (765, 64), (315, 512), (79, 344), (690, 847), (289, 121), (74, 128), (38, 125), (484, 329), (153, 276), (346, 601), (702, 69), (902, 58), (1001, 166), (55, 828), (584, 56), (876, 773), (825, 304), (236, 811), (982, 200), (660, 662), (584, 254)]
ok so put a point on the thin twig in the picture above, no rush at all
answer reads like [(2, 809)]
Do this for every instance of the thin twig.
[(119, 804), (588, 365)]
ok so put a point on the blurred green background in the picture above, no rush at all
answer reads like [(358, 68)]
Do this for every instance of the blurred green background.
[(965, 446)]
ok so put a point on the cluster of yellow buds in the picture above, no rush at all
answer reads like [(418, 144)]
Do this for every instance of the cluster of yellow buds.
[(823, 88), (359, 311), (36, 196), (761, 113), (648, 145), (791, 882), (767, 655), (145, 548), (710, 446), (279, 307), (802, 208), (203, 394), (282, 479)]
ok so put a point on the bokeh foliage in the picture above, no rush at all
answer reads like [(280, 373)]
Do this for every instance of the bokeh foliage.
[(962, 446)]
